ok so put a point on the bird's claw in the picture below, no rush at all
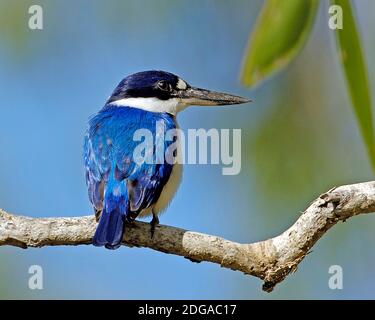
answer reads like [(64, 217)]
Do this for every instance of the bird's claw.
[(98, 213), (154, 222)]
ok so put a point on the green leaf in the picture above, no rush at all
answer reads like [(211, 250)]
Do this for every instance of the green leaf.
[(280, 32), (353, 63)]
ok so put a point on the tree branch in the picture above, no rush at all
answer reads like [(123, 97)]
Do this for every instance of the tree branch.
[(270, 260)]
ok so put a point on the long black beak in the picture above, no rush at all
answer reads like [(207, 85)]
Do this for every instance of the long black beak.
[(202, 97)]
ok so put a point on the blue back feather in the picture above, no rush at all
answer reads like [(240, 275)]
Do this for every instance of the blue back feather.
[(116, 184)]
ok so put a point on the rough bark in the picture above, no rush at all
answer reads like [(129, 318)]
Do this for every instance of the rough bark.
[(270, 260)]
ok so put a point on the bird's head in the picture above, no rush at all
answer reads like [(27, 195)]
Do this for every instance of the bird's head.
[(160, 91)]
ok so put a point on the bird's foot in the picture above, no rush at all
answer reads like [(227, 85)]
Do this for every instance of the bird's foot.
[(130, 218), (98, 213), (154, 222)]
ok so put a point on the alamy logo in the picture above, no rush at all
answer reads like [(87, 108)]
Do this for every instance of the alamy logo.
[(335, 20), (36, 280), (213, 147), (335, 281), (36, 17)]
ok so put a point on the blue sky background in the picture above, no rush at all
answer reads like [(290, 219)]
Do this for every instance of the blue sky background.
[(299, 138)]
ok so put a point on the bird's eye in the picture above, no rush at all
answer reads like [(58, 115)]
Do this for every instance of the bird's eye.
[(164, 85)]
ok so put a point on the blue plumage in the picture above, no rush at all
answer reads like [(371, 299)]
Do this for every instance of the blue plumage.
[(115, 208), (117, 185)]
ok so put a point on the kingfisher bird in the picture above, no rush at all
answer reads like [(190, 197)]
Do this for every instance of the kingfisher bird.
[(120, 188)]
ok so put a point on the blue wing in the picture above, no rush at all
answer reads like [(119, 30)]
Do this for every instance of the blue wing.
[(117, 184)]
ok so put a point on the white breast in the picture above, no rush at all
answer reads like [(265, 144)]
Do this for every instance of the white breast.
[(170, 187)]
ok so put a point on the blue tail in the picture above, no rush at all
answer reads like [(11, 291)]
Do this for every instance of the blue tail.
[(109, 232)]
